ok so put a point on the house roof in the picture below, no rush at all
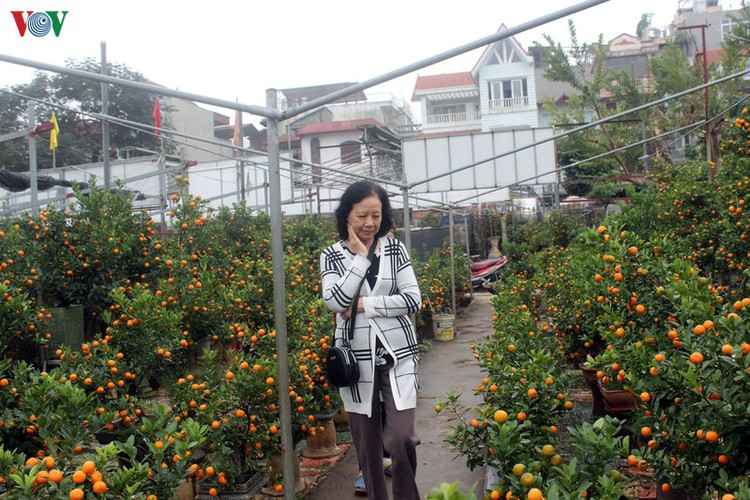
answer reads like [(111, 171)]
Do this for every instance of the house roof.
[(713, 56), (306, 94), (341, 126), (442, 81), (624, 39), (490, 49)]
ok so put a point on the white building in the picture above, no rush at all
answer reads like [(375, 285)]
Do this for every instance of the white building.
[(502, 91), (473, 115)]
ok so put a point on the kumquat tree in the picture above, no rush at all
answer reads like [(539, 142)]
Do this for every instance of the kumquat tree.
[(174, 378), (653, 305)]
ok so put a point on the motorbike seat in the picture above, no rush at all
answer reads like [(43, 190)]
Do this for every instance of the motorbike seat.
[(484, 264)]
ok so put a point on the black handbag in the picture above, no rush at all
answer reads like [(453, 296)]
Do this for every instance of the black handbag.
[(341, 364)]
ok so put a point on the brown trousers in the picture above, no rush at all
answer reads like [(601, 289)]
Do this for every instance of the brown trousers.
[(397, 437)]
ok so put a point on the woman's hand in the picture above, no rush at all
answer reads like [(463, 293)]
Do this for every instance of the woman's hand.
[(348, 313), (354, 243), (360, 308)]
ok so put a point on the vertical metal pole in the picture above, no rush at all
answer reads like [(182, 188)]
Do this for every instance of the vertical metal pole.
[(468, 248), (645, 146), (279, 299), (407, 221), (453, 260), (238, 153), (558, 175), (31, 121), (105, 123), (242, 181), (265, 193)]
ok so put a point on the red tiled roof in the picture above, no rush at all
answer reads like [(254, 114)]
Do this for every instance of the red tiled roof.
[(444, 81), (342, 126), (712, 56)]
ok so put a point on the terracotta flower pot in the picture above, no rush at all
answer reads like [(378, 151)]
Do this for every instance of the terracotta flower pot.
[(323, 443), (341, 419), (618, 401), (589, 375)]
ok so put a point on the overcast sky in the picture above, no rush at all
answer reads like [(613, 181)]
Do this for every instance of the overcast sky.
[(236, 50)]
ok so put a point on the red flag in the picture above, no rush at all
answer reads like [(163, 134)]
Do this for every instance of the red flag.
[(157, 117)]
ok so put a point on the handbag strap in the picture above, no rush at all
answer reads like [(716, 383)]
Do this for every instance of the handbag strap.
[(350, 333)]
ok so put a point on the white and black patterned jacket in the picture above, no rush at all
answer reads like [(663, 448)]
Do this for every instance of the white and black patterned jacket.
[(387, 307)]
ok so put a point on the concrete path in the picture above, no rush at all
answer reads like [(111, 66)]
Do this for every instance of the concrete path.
[(448, 366)]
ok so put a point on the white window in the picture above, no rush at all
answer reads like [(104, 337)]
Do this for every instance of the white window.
[(512, 93)]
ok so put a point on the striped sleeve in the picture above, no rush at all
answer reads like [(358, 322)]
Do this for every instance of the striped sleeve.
[(404, 297), (340, 283)]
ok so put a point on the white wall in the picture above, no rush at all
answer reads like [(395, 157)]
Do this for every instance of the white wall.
[(189, 118), (330, 153), (436, 157)]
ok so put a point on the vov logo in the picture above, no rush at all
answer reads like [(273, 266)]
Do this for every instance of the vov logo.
[(39, 23)]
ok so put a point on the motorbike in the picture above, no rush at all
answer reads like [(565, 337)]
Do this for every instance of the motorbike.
[(486, 272)]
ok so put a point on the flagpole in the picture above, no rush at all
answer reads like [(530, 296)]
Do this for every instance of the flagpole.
[(53, 147)]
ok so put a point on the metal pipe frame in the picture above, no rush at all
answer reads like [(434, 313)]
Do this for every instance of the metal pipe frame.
[(273, 115)]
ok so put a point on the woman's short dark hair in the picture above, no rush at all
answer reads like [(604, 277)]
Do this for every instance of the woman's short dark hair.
[(353, 195)]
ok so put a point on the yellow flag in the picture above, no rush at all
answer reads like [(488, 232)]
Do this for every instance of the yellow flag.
[(53, 133)]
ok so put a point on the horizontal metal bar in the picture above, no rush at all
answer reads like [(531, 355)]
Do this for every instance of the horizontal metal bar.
[(13, 135), (151, 89)]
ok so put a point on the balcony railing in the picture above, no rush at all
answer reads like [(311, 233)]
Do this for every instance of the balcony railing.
[(509, 103), (446, 118)]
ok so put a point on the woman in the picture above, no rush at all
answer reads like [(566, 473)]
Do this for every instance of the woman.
[(384, 343)]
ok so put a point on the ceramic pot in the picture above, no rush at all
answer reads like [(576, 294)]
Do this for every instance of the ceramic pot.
[(618, 401), (323, 443), (589, 375)]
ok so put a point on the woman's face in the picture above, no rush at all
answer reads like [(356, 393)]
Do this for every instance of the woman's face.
[(365, 218)]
